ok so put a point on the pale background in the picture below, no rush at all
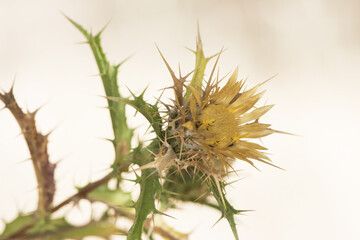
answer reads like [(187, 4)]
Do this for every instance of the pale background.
[(314, 46)]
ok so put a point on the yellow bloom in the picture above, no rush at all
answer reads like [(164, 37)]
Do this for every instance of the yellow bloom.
[(222, 119), (211, 127)]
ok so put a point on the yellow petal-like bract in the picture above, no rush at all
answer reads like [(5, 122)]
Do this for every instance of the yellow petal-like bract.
[(212, 125)]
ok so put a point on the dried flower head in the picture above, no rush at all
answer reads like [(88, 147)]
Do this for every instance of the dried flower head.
[(219, 122), (209, 127), (214, 124)]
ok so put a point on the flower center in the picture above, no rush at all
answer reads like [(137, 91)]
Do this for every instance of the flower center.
[(217, 126)]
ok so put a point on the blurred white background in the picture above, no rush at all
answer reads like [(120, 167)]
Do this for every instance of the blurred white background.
[(314, 46)]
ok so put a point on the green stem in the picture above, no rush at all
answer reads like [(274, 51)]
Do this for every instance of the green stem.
[(149, 186), (108, 73)]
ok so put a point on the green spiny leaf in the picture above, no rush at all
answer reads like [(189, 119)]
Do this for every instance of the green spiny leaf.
[(48, 226), (149, 187), (145, 204), (149, 111), (15, 225), (115, 197), (228, 211), (108, 75), (101, 229)]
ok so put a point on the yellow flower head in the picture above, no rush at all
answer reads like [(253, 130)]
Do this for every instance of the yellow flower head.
[(213, 125), (222, 119)]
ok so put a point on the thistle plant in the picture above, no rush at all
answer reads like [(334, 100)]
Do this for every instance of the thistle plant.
[(198, 136)]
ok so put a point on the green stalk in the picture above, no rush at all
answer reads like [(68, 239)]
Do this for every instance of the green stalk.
[(108, 73), (149, 187)]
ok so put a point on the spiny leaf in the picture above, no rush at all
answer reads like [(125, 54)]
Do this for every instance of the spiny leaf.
[(101, 229), (115, 197), (48, 226), (108, 75), (149, 187), (145, 204), (228, 211), (149, 111), (15, 225)]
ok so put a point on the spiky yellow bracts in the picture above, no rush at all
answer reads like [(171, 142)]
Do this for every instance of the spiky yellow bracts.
[(208, 127), (219, 121)]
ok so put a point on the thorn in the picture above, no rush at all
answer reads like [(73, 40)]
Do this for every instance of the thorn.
[(132, 94), (11, 91), (78, 26), (198, 40), (179, 71), (194, 52), (23, 161), (125, 60), (187, 75), (252, 164), (287, 133), (216, 62), (81, 43), (103, 29), (19, 134), (143, 92), (201, 196), (182, 176), (270, 78), (166, 88), (51, 131), (241, 211), (107, 139), (60, 160), (33, 113), (62, 13), (138, 178), (170, 192), (164, 214), (95, 75), (158, 98), (166, 63), (237, 180), (146, 131), (222, 216)]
